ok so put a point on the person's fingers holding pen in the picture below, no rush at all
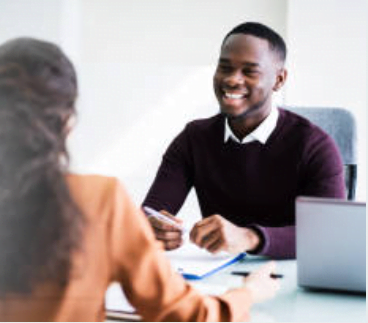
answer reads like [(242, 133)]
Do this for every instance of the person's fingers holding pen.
[(172, 217), (164, 225), (159, 224), (169, 234), (173, 244), (170, 239)]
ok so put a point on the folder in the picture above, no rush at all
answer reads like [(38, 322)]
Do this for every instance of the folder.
[(122, 316), (117, 307), (195, 263)]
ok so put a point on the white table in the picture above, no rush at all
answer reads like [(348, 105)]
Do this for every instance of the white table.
[(292, 303)]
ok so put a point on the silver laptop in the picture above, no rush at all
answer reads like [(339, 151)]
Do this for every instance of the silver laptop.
[(331, 244)]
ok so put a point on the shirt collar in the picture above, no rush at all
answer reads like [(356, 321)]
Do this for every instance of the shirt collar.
[(261, 133)]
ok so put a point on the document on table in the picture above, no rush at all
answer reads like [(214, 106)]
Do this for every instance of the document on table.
[(196, 263)]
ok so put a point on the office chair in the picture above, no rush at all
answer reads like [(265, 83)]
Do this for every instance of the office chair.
[(340, 125)]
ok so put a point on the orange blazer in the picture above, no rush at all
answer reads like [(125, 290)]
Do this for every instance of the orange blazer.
[(119, 245)]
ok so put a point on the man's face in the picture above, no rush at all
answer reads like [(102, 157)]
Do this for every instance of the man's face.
[(247, 73)]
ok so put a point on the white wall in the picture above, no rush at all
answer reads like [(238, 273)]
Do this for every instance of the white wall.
[(328, 62), (37, 18), (145, 68)]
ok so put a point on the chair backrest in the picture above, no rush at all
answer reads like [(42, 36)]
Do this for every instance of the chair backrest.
[(341, 126)]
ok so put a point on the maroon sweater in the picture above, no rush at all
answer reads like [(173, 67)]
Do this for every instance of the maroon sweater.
[(252, 185)]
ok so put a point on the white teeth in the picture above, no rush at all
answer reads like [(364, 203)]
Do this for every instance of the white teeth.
[(234, 95)]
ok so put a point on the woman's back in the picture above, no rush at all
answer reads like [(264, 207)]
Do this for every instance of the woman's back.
[(82, 298), (118, 245)]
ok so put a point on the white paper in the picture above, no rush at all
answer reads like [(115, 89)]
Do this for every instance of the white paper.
[(115, 299), (192, 260)]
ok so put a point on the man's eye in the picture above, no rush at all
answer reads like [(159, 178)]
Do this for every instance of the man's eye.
[(225, 68), (250, 72)]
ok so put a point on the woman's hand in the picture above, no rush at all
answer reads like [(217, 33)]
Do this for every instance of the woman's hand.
[(260, 283)]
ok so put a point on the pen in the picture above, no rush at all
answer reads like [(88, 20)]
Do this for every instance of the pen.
[(162, 217), (246, 273)]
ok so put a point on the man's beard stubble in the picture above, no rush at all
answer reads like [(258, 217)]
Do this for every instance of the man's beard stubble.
[(247, 113)]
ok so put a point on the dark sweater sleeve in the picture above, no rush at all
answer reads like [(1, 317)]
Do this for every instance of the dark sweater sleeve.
[(321, 175), (174, 178)]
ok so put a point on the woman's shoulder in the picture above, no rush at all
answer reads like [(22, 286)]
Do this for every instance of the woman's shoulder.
[(91, 183), (93, 192), (74, 179)]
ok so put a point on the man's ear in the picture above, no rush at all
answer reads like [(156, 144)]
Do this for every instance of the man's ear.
[(280, 79)]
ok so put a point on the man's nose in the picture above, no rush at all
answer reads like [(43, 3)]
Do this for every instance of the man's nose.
[(234, 79)]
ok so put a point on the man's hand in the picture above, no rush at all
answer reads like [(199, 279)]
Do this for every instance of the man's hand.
[(170, 235), (218, 234)]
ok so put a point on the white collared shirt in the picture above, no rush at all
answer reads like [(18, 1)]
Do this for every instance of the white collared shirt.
[(261, 133)]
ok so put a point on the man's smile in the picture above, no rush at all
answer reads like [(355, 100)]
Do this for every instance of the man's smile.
[(234, 95), (234, 99)]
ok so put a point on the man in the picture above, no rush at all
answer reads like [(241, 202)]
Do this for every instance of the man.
[(248, 163)]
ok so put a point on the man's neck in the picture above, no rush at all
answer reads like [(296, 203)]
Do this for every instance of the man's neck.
[(244, 126)]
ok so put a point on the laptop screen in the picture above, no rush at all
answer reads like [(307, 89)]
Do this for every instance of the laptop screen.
[(331, 243)]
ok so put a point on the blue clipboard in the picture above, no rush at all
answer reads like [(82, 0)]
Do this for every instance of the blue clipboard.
[(189, 276)]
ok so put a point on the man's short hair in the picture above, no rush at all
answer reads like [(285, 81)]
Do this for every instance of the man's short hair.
[(256, 29)]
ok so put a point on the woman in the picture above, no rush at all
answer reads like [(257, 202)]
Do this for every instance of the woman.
[(64, 238)]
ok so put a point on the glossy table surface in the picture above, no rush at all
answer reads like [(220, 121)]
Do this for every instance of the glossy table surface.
[(291, 303)]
